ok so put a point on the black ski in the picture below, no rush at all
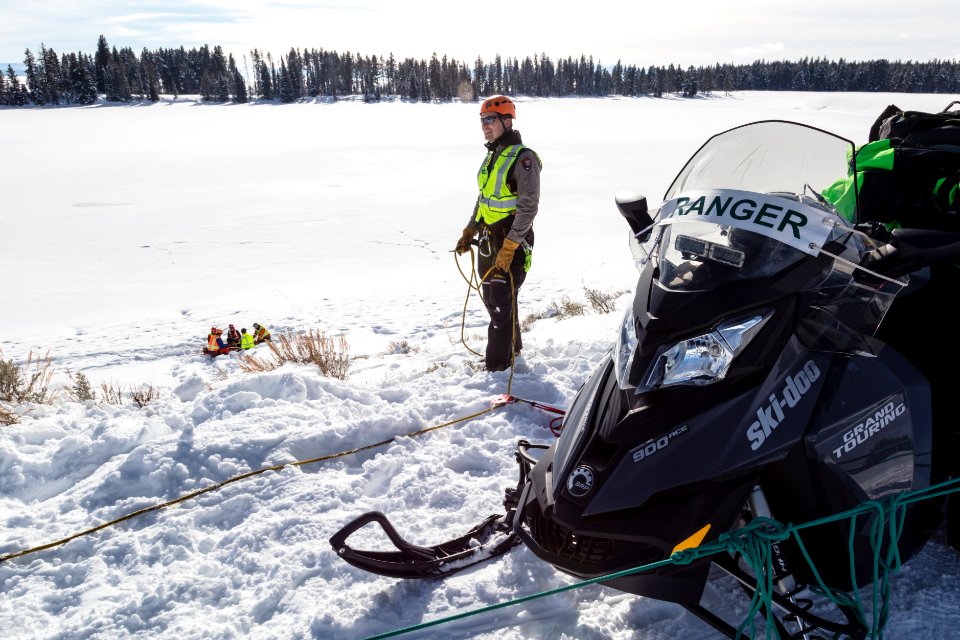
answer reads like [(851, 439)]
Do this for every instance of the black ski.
[(487, 540), (491, 538)]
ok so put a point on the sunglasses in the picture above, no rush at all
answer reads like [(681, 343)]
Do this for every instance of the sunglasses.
[(488, 119)]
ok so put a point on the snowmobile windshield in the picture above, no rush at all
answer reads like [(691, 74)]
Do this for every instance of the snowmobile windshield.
[(747, 206), (766, 157)]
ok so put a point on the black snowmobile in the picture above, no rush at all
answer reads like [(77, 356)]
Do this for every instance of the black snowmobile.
[(749, 380)]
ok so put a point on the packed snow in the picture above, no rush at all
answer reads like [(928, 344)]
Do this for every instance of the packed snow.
[(127, 231)]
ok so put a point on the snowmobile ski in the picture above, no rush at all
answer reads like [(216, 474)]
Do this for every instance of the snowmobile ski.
[(491, 538), (487, 540)]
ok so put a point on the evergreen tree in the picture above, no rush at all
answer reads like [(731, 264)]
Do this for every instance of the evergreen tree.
[(84, 86), (295, 75), (690, 83), (238, 86), (52, 75), (101, 60), (16, 93), (479, 77), (34, 77), (390, 75), (150, 75), (286, 90), (117, 86)]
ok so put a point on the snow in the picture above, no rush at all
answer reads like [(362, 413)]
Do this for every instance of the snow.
[(129, 230)]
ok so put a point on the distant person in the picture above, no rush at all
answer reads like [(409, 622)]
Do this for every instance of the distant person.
[(509, 182), (246, 339), (233, 337), (260, 333), (215, 343)]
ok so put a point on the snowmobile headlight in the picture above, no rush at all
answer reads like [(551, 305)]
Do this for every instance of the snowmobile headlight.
[(704, 359), (625, 348)]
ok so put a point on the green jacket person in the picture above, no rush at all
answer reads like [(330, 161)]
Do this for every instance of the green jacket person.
[(509, 198)]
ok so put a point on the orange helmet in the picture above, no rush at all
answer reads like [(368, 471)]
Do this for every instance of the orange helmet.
[(499, 104)]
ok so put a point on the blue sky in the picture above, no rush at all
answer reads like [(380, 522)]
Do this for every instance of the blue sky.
[(693, 32)]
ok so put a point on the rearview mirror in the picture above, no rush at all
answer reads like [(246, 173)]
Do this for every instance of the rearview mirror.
[(633, 207)]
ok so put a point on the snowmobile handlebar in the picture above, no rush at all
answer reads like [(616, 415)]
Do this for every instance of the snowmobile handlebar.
[(912, 249)]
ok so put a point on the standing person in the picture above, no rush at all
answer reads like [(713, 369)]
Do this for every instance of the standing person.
[(260, 333), (509, 183), (246, 339)]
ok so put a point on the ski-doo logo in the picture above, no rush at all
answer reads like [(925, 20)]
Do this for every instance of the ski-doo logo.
[(770, 416), (646, 450), (869, 428), (580, 481)]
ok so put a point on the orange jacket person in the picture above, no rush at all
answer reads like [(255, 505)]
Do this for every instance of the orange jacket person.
[(215, 344), (260, 333)]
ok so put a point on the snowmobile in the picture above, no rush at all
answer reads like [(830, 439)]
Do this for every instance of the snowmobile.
[(751, 378)]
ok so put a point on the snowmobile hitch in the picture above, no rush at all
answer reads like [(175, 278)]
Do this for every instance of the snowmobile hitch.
[(504, 399), (489, 539), (556, 424)]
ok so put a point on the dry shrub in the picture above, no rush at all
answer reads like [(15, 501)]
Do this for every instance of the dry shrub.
[(527, 323), (8, 417), (400, 347), (144, 395), (600, 301), (80, 390), (329, 354), (111, 393), (18, 384), (566, 308)]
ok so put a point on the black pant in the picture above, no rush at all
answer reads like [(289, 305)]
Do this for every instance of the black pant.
[(500, 299)]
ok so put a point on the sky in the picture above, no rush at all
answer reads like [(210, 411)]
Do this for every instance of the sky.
[(149, 223), (696, 32)]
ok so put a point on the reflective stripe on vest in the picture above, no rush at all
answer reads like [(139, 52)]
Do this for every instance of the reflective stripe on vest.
[(496, 201)]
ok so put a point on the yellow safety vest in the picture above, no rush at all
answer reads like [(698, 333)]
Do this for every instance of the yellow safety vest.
[(246, 341), (496, 200)]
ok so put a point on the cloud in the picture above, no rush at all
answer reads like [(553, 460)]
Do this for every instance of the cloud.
[(608, 31)]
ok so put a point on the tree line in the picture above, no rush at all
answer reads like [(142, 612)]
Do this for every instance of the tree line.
[(120, 75)]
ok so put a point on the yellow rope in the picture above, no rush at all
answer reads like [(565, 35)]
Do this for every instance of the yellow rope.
[(470, 287), (476, 287), (278, 467)]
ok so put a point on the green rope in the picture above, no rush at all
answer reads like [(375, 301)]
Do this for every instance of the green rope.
[(755, 542)]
